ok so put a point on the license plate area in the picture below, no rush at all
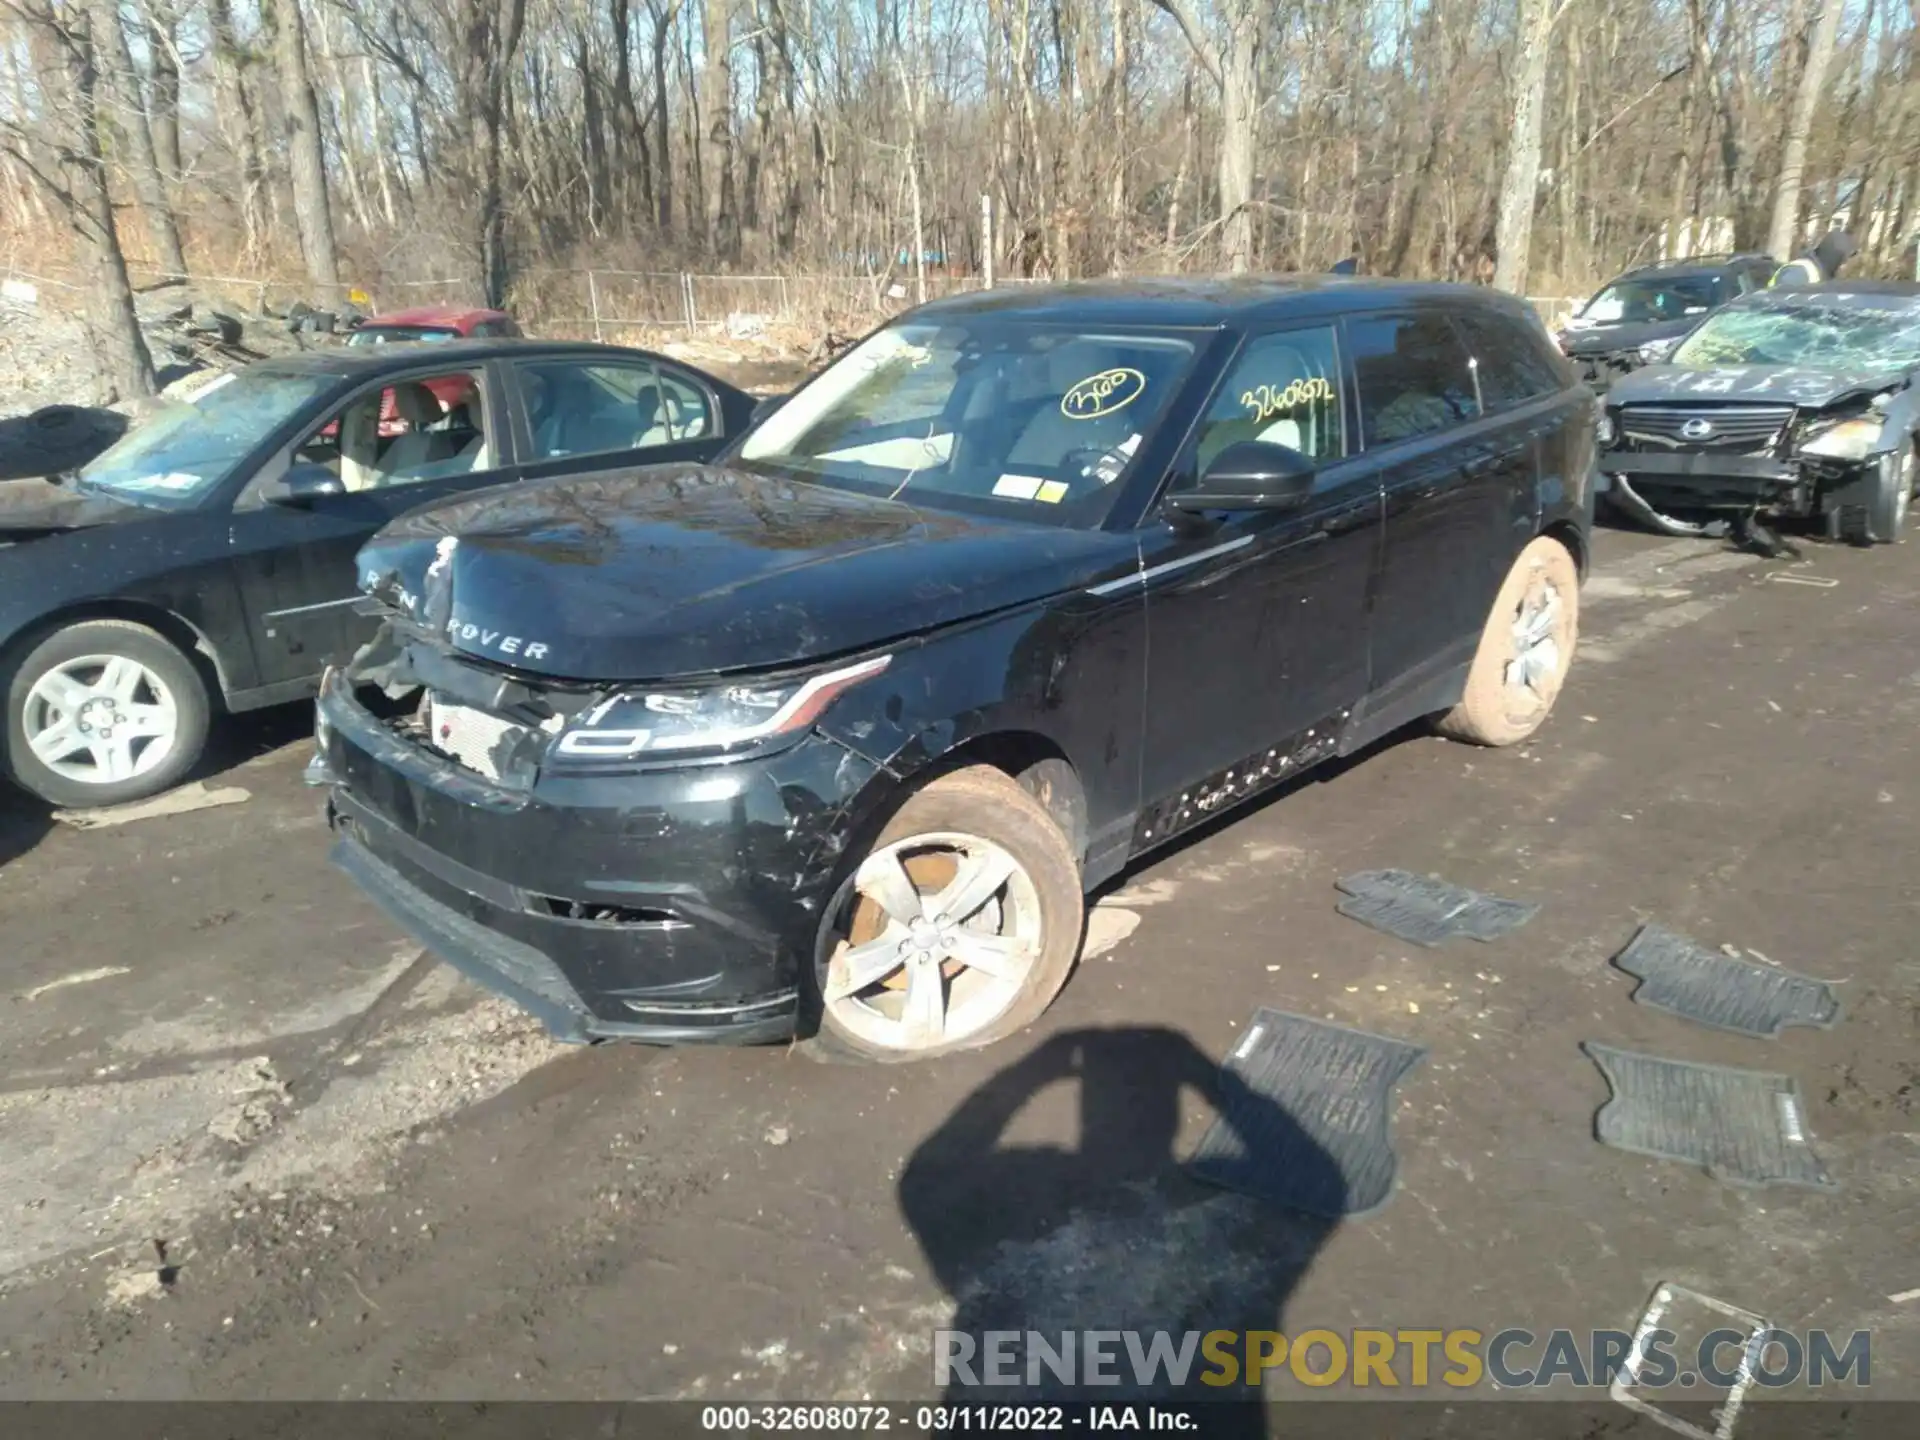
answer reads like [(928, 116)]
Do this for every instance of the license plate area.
[(476, 738)]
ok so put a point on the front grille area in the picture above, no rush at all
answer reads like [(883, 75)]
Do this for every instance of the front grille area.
[(1730, 429)]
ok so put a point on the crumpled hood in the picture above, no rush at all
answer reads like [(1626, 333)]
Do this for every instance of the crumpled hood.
[(689, 570), (1604, 339), (31, 509), (1781, 384)]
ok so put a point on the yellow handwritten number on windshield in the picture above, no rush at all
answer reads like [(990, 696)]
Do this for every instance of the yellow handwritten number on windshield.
[(1102, 394), (1267, 401)]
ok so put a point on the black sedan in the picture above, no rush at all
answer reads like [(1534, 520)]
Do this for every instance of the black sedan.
[(840, 730), (1794, 404), (205, 561)]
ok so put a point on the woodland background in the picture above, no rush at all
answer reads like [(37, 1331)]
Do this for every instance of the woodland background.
[(489, 145)]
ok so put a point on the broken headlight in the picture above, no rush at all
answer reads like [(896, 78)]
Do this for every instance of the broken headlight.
[(1848, 440), (718, 720), (1605, 430)]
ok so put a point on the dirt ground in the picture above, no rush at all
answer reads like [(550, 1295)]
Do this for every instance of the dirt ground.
[(254, 1145)]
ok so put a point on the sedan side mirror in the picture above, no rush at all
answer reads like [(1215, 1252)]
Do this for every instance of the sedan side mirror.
[(1250, 475), (304, 483), (767, 406)]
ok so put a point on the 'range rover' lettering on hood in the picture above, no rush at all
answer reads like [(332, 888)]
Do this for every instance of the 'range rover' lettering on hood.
[(688, 570)]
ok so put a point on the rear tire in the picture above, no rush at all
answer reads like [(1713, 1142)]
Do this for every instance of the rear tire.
[(979, 930), (102, 712), (1525, 650)]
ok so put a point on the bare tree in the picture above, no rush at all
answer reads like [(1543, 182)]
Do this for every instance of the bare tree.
[(306, 150), (1519, 191), (60, 38), (120, 82), (1234, 72), (1793, 157)]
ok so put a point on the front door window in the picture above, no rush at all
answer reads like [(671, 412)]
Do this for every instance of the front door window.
[(429, 428)]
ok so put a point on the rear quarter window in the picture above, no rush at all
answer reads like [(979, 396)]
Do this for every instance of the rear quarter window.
[(1511, 358), (1413, 374)]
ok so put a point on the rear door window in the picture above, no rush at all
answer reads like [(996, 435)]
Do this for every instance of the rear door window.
[(600, 408), (1413, 374), (1509, 358)]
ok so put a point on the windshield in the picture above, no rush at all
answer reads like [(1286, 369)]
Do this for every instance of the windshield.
[(981, 415), (395, 334), (185, 450), (1649, 301), (1859, 335)]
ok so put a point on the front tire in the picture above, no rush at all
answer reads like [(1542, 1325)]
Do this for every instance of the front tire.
[(1883, 521), (955, 929), (1525, 650), (103, 712)]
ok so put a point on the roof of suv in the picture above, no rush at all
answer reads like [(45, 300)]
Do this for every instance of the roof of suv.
[(1196, 302), (1695, 265)]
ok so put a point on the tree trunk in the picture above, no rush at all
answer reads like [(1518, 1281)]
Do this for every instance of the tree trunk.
[(1235, 74), (716, 104), (1238, 106), (239, 123), (163, 23), (662, 121), (128, 115), (1513, 230), (1793, 157), (1117, 196), (306, 154), (67, 68)]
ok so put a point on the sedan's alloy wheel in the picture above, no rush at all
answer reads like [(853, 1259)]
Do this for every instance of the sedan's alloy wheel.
[(100, 719)]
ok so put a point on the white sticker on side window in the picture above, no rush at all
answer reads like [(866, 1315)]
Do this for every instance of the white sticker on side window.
[(1018, 487)]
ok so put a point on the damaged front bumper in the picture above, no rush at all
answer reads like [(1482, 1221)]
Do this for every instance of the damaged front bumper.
[(1706, 480), (670, 905)]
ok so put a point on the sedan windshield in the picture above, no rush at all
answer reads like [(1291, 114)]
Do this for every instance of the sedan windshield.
[(981, 415), (1649, 301), (1850, 332), (186, 449), (400, 334)]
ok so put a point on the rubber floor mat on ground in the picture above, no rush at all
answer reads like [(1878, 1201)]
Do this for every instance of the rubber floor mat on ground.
[(1702, 985), (1746, 1127), (1305, 1116), (1425, 911)]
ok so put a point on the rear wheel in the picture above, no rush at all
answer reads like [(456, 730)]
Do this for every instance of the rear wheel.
[(956, 928), (1524, 651), (103, 712)]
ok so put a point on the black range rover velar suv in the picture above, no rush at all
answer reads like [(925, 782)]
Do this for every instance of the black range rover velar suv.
[(838, 732)]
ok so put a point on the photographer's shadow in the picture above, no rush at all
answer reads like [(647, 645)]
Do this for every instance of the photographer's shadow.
[(1110, 1235)]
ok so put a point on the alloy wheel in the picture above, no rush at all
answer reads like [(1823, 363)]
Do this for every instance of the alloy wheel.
[(940, 935), (100, 719), (1536, 641)]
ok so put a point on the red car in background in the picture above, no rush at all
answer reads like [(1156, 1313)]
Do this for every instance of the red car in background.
[(426, 324)]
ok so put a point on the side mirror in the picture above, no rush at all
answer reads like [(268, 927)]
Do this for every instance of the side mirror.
[(304, 483), (1250, 475), (767, 406)]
